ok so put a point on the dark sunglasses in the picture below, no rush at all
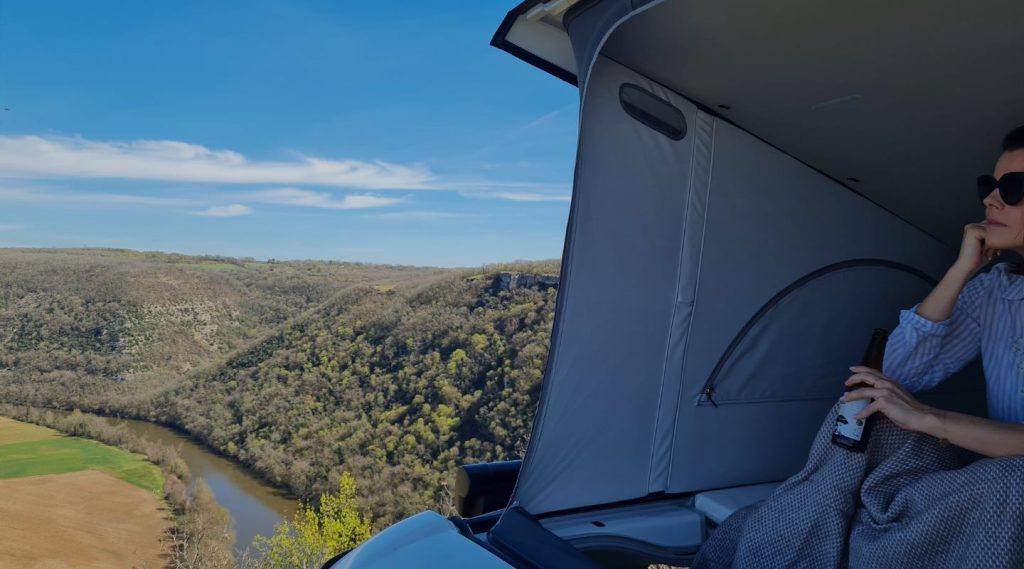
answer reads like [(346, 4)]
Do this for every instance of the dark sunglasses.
[(1011, 187)]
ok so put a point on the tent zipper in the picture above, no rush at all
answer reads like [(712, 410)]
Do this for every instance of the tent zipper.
[(709, 391), (709, 385)]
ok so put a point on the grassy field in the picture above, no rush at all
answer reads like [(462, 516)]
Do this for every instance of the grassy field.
[(105, 504), (30, 450)]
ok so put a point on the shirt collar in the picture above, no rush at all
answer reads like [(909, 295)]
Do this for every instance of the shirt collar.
[(1013, 286)]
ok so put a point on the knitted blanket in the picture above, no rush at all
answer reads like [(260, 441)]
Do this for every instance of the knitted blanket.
[(907, 502)]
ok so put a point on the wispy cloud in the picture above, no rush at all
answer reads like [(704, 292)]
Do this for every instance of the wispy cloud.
[(32, 158), (233, 210), (11, 226), (323, 200), (538, 121), (520, 130), (473, 187), (515, 191), (524, 197), (535, 123), (421, 215), (59, 157), (41, 195)]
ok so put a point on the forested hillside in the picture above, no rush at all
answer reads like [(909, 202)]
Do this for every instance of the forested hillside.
[(103, 328), (299, 370)]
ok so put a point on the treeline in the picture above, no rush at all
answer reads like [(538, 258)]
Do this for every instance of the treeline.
[(106, 329), (396, 377)]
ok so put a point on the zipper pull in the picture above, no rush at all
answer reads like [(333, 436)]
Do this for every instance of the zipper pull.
[(709, 391)]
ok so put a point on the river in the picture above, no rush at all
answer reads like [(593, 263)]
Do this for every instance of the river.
[(255, 506)]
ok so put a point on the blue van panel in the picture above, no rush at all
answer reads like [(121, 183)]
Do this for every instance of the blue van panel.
[(426, 540)]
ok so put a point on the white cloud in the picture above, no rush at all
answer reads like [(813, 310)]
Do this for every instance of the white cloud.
[(323, 200), (514, 191), (11, 227), (420, 215), (526, 197), (32, 157), (56, 157), (39, 195), (233, 210)]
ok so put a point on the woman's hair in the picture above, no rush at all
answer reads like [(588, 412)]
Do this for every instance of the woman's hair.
[(1014, 140)]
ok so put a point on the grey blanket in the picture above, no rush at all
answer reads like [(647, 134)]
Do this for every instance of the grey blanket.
[(906, 502)]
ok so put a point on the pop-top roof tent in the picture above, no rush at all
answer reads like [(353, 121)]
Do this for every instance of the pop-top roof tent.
[(758, 185), (823, 177)]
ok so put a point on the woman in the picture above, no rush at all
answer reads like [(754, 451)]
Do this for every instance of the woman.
[(908, 501), (961, 319)]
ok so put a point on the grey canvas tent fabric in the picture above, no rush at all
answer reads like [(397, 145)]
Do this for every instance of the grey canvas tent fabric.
[(666, 263), (905, 503), (716, 286)]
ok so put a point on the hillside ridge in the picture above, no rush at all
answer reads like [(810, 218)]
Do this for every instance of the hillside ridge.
[(299, 370)]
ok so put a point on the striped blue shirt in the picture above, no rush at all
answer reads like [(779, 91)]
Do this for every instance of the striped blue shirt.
[(988, 318)]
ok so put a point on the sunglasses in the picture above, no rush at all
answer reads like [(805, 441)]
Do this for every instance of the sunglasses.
[(1011, 187)]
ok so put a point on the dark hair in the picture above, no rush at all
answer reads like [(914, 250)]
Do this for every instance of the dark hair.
[(1014, 140)]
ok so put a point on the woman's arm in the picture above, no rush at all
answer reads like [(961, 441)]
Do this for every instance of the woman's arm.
[(938, 305), (983, 436), (942, 334), (922, 352)]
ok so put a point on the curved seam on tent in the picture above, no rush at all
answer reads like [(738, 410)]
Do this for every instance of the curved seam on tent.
[(672, 317), (561, 301), (604, 39), (696, 294), (790, 289)]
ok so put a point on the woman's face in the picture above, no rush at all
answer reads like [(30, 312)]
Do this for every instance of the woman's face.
[(1005, 223)]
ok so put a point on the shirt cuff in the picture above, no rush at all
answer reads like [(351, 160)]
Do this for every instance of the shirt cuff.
[(917, 322)]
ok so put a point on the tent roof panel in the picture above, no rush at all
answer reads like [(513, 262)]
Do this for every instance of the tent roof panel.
[(905, 103)]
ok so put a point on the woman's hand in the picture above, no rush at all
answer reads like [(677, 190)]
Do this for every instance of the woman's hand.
[(973, 251), (889, 398)]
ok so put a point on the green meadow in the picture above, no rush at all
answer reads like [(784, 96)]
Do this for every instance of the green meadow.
[(29, 450)]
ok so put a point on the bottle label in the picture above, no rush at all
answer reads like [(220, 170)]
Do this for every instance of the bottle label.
[(846, 425)]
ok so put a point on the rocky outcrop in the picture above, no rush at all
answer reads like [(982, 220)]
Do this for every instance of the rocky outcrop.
[(516, 280)]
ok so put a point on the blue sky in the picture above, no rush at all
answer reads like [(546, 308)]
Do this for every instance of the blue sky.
[(386, 132)]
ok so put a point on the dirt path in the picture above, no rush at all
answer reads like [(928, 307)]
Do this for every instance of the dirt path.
[(84, 520)]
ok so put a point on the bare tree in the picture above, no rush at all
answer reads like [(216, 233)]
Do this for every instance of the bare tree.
[(205, 537)]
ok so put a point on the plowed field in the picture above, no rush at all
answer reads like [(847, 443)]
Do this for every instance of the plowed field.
[(83, 517)]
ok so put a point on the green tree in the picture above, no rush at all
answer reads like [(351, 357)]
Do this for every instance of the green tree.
[(314, 536)]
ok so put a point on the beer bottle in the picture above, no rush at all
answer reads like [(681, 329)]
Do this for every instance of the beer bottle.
[(851, 433)]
